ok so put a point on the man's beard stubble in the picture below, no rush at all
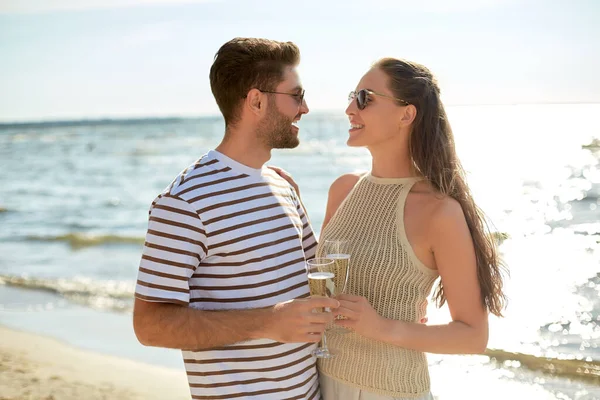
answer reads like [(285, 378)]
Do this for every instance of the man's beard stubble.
[(276, 130)]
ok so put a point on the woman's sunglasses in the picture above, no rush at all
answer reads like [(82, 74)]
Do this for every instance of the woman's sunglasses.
[(362, 98)]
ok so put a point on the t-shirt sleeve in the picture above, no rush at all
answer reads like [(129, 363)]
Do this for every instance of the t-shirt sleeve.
[(175, 245), (309, 242)]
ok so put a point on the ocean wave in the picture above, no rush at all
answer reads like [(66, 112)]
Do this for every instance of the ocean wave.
[(103, 295), (593, 145), (78, 240), (500, 237), (118, 296), (586, 370)]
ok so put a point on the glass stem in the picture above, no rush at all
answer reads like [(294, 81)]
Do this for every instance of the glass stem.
[(325, 342)]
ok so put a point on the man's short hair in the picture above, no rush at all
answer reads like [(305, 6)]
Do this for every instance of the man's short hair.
[(246, 63)]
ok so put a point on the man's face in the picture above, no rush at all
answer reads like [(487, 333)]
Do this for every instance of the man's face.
[(278, 129)]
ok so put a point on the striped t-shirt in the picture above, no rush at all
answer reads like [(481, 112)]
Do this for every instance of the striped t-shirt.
[(225, 236)]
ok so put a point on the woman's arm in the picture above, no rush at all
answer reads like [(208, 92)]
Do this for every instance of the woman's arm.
[(338, 192), (454, 255)]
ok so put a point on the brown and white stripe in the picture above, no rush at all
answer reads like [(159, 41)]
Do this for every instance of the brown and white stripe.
[(224, 236)]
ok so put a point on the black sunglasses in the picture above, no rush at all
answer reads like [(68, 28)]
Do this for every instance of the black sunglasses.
[(362, 98), (299, 96)]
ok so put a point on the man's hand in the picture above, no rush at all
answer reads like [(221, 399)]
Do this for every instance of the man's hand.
[(298, 320)]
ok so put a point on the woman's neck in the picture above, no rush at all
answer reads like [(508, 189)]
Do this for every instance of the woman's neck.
[(391, 162)]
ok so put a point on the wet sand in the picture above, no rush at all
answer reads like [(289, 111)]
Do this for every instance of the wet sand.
[(36, 367)]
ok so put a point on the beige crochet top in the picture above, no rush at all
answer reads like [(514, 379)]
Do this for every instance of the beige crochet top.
[(385, 270)]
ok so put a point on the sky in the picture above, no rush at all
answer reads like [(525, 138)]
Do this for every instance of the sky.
[(73, 59)]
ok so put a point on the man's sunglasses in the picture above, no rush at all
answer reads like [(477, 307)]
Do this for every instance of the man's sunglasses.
[(362, 98), (299, 96)]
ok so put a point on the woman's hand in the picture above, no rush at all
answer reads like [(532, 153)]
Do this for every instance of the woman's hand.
[(287, 176), (361, 316)]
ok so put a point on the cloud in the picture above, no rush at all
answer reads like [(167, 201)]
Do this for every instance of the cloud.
[(42, 6)]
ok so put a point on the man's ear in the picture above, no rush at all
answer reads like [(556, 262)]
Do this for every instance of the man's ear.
[(254, 101)]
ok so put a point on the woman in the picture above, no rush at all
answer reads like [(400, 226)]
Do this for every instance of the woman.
[(410, 220)]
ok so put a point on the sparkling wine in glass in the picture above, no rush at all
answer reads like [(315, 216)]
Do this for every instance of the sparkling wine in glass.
[(321, 282), (339, 251)]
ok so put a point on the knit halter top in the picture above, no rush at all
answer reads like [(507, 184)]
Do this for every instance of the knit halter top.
[(385, 270)]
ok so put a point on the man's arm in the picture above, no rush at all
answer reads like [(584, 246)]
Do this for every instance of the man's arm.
[(175, 245), (180, 327)]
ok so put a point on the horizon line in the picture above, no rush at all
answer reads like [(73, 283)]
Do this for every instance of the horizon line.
[(181, 117)]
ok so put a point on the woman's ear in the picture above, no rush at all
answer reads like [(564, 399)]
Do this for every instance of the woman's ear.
[(409, 115)]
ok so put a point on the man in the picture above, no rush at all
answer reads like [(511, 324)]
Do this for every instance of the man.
[(222, 275)]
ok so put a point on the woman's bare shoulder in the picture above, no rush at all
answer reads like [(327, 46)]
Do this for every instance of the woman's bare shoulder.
[(344, 184)]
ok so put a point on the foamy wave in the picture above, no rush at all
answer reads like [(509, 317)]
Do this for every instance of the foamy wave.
[(500, 237), (118, 296), (112, 295), (587, 370), (78, 240), (593, 145)]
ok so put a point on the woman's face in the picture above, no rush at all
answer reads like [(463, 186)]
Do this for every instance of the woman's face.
[(379, 123)]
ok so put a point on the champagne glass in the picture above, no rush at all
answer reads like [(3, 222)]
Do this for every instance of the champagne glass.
[(321, 282), (339, 251)]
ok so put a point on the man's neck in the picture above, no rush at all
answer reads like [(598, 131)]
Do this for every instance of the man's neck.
[(242, 147)]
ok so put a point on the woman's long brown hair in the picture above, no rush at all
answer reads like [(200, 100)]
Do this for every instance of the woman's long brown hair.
[(434, 156)]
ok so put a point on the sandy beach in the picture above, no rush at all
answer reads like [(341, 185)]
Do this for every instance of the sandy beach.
[(36, 367)]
